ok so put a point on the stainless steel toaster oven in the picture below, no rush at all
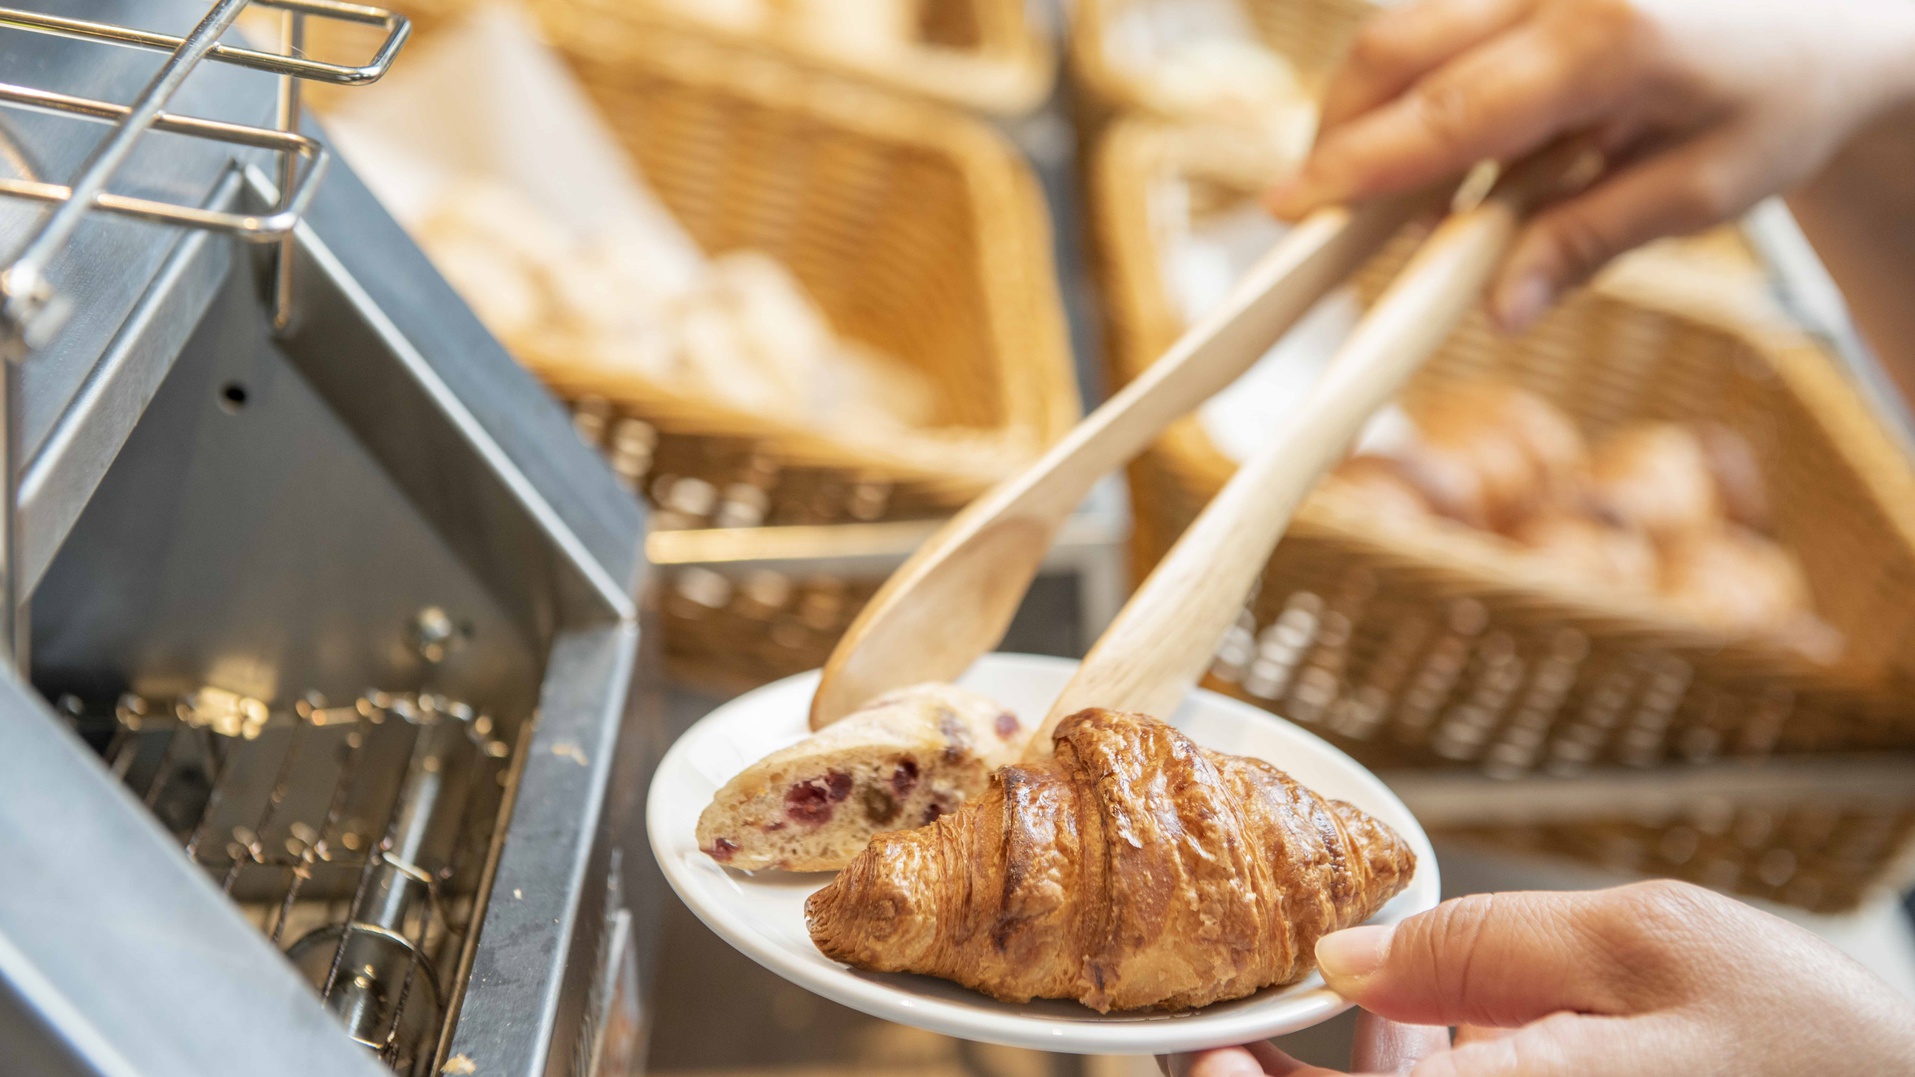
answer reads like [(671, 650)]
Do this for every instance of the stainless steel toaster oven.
[(332, 705)]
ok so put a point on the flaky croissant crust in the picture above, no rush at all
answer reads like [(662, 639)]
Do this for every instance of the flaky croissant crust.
[(1133, 869)]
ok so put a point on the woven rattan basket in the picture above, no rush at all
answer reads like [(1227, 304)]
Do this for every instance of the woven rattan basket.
[(1311, 34), (1819, 857), (917, 230), (992, 56), (1433, 647)]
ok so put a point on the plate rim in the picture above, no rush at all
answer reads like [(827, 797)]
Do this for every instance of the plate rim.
[(848, 987)]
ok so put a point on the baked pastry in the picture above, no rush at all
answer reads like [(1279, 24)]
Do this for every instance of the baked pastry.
[(1591, 550), (1491, 455), (1378, 484), (866, 30), (1546, 433), (1655, 476), (1132, 869), (1734, 578), (1738, 475), (1479, 475), (902, 760), (1529, 455)]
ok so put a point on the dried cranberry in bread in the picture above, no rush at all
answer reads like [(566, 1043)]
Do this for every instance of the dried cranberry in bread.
[(901, 761)]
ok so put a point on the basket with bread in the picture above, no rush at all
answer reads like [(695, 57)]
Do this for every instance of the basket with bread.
[(1661, 533), (990, 56), (768, 298)]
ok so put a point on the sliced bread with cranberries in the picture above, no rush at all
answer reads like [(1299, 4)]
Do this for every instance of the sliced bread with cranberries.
[(899, 762)]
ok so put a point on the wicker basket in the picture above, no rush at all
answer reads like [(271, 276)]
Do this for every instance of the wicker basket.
[(1817, 857), (916, 229), (1311, 34), (727, 636), (991, 56), (730, 633), (1434, 647)]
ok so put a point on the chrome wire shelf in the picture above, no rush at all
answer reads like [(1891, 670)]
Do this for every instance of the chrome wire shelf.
[(29, 310)]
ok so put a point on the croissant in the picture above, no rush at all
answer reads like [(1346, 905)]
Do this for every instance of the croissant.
[(1377, 483), (1656, 477), (1133, 869), (1593, 550), (1490, 455)]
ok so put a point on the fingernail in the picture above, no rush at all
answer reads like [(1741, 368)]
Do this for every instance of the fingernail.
[(1520, 304), (1353, 953)]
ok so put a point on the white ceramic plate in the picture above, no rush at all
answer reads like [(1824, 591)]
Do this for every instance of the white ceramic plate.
[(762, 914)]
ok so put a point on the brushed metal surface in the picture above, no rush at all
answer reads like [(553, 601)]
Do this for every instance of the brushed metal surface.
[(115, 949), (205, 502), (258, 546), (573, 856), (490, 403), (96, 422)]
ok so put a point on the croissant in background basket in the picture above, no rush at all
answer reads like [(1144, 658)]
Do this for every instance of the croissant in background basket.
[(1648, 511)]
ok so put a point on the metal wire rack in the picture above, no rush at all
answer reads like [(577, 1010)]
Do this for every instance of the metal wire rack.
[(31, 312), (356, 837)]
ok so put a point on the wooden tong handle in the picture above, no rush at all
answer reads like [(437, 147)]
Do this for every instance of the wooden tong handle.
[(1166, 635), (953, 599), (1312, 258)]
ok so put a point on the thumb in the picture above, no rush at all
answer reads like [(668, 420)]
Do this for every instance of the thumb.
[(1500, 960)]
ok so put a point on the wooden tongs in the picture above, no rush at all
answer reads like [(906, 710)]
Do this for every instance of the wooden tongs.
[(954, 598)]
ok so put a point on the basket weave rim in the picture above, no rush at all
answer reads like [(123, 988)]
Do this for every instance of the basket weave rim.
[(1008, 74)]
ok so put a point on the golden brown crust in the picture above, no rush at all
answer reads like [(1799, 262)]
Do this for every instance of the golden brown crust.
[(1133, 869)]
